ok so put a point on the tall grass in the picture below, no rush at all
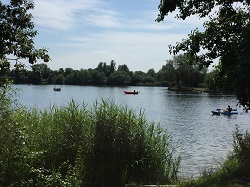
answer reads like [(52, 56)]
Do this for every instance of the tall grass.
[(234, 172), (76, 145)]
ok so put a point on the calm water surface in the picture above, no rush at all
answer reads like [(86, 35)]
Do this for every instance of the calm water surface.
[(204, 139)]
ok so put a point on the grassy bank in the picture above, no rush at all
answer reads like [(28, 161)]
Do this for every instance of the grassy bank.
[(76, 145), (234, 172)]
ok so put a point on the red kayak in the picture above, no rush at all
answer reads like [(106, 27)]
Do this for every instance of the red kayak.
[(134, 92)]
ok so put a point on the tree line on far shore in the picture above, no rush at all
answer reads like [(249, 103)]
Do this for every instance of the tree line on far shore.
[(174, 73)]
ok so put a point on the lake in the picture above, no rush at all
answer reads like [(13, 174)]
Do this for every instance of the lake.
[(204, 139)]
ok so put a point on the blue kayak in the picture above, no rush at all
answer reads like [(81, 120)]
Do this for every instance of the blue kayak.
[(224, 112)]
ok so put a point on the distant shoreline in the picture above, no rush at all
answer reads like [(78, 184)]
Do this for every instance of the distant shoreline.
[(196, 89)]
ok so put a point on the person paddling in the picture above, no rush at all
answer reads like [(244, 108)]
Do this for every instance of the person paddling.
[(229, 109)]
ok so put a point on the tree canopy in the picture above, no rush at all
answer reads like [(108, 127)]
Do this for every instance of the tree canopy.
[(17, 36), (226, 36)]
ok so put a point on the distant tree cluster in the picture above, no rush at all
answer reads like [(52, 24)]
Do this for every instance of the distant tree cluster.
[(175, 72)]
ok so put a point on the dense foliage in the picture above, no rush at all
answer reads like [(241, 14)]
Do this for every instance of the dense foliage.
[(175, 71), (181, 74), (76, 145), (226, 36), (16, 37)]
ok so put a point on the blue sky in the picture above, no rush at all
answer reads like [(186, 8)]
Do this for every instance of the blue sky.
[(82, 33)]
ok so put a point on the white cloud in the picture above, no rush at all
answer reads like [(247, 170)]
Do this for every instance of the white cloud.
[(99, 52), (65, 14), (60, 14), (106, 20)]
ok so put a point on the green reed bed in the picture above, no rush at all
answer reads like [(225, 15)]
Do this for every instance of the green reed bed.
[(79, 145)]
